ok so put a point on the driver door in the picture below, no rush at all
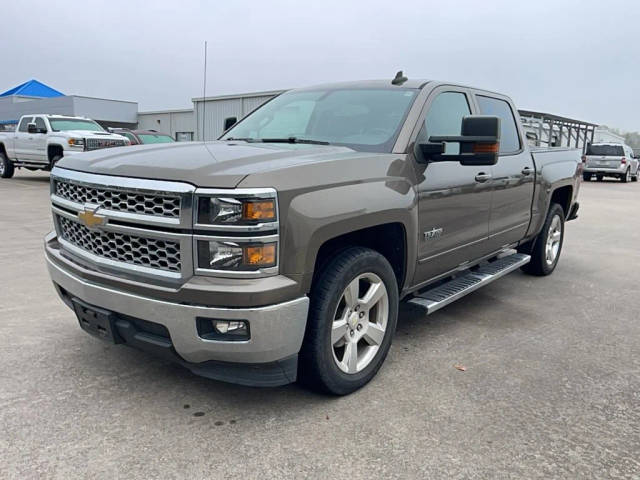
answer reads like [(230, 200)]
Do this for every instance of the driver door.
[(454, 200), (38, 144)]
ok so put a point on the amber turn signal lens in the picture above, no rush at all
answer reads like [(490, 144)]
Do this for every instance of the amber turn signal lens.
[(486, 148), (259, 210), (260, 255)]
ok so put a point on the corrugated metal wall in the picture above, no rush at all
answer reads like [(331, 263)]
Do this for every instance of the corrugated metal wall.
[(171, 122), (217, 110)]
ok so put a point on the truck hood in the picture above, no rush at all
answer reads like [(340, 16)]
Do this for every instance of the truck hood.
[(89, 134), (211, 164)]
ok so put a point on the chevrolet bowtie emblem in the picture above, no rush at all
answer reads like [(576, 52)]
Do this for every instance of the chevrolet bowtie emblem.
[(89, 217)]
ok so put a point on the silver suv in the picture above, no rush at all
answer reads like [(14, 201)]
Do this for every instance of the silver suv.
[(611, 160)]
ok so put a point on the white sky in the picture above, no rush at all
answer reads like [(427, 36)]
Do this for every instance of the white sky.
[(569, 57)]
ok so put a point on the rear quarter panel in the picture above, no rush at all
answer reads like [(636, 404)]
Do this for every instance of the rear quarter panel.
[(555, 168)]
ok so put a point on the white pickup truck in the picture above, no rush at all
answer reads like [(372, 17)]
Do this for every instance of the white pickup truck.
[(41, 140)]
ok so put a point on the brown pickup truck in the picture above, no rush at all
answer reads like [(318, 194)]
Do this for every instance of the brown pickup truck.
[(282, 250)]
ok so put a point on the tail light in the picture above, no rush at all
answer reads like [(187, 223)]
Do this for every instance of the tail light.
[(623, 161)]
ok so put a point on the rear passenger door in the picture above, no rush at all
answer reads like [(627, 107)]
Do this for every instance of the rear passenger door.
[(513, 175)]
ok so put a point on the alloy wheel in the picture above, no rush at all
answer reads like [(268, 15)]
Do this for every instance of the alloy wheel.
[(554, 237), (360, 323)]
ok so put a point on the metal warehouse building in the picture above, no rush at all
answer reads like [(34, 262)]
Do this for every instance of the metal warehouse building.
[(205, 121), (36, 97), (180, 124)]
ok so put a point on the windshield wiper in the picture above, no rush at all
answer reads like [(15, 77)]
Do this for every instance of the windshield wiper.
[(232, 139), (293, 140)]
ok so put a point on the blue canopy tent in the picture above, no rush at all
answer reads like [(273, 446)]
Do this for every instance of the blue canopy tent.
[(33, 88)]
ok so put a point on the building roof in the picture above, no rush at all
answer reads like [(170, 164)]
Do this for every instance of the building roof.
[(33, 88)]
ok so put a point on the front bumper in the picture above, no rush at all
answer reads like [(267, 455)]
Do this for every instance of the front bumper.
[(277, 330)]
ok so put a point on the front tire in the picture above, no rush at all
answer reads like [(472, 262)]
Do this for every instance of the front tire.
[(586, 177), (352, 319), (6, 167), (548, 244), (53, 162)]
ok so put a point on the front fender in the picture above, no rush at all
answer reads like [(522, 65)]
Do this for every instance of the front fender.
[(315, 217)]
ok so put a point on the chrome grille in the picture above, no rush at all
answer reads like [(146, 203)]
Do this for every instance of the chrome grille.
[(120, 200), (98, 143), (130, 249)]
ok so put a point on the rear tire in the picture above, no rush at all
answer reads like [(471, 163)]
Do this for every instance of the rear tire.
[(627, 176), (548, 244), (348, 337), (6, 167)]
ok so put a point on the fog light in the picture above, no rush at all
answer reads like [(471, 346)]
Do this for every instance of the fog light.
[(225, 330), (230, 327)]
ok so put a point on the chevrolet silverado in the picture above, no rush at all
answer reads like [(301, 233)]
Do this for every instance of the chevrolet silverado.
[(281, 251)]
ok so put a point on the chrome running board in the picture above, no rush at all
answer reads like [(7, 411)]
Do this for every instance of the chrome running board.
[(444, 294)]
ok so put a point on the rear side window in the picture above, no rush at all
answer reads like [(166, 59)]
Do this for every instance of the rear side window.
[(509, 139), (23, 124), (444, 117), (606, 150)]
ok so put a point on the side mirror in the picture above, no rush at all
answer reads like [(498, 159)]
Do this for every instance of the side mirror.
[(31, 128), (229, 122), (479, 143)]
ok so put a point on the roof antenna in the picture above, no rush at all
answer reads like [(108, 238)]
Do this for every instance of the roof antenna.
[(400, 79), (204, 92)]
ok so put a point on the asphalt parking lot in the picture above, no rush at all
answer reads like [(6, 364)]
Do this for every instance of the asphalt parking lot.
[(551, 387)]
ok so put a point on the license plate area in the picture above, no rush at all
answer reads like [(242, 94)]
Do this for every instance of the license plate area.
[(96, 321)]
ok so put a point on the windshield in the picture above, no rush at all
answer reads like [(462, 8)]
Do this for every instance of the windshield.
[(155, 138), (64, 124), (362, 119), (606, 150)]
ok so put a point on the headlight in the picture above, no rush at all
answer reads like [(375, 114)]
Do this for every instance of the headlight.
[(236, 256), (76, 142), (237, 232), (236, 211)]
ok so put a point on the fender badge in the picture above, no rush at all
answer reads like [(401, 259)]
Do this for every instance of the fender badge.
[(433, 234)]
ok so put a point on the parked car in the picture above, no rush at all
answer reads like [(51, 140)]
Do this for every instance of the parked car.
[(611, 160), (139, 137), (282, 251), (41, 140)]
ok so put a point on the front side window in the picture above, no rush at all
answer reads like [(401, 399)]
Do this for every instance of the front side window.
[(40, 125), (444, 118), (365, 119), (24, 124), (62, 124), (509, 138)]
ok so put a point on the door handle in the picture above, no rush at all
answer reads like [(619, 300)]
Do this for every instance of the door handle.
[(482, 177), (527, 171)]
